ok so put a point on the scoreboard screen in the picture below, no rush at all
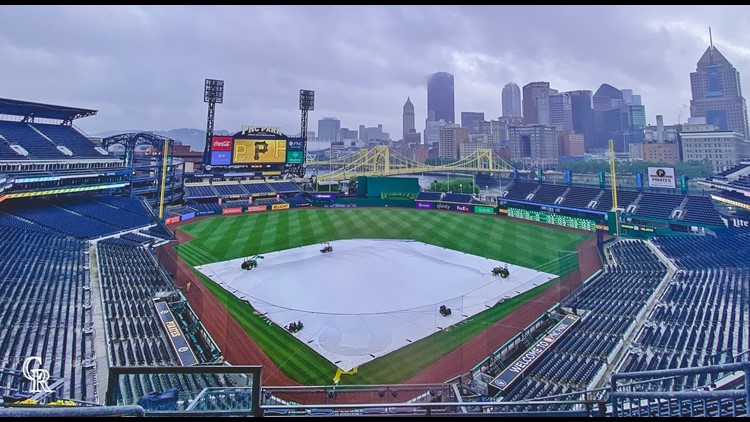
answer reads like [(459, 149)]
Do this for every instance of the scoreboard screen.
[(295, 153), (259, 151), (221, 150), (256, 149)]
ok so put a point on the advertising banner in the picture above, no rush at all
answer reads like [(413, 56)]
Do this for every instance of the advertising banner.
[(172, 220), (637, 228), (221, 158), (464, 208), (513, 372), (480, 209), (684, 184), (324, 195), (441, 206), (221, 150), (280, 207), (231, 211), (424, 205), (179, 342), (188, 216), (295, 157), (256, 208), (661, 177), (221, 143)]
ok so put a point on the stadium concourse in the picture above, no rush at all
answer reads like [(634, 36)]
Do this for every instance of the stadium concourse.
[(370, 297)]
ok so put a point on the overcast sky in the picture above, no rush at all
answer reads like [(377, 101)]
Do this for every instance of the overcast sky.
[(144, 67)]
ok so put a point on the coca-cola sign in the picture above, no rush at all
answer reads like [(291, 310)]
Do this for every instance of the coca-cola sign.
[(221, 143)]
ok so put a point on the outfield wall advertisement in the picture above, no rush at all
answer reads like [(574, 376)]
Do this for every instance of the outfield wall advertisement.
[(480, 209), (256, 208), (551, 218), (446, 207)]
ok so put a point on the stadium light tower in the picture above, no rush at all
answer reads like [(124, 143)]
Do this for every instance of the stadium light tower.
[(213, 92), (306, 103)]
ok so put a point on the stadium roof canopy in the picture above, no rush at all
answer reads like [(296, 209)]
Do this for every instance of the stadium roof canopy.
[(31, 110)]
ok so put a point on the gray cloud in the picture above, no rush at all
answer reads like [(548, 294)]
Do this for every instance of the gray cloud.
[(144, 66)]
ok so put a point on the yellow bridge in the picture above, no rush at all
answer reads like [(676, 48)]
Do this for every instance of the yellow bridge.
[(382, 161)]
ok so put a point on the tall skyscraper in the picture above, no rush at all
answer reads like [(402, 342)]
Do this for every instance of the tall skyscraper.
[(618, 115), (583, 115), (536, 98), (409, 122), (511, 100), (605, 98), (717, 94), (561, 112), (440, 97), (329, 129), (625, 125)]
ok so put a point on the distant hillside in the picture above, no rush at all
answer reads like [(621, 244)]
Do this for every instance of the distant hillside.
[(196, 138)]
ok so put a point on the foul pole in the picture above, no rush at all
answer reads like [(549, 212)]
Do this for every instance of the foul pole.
[(614, 184), (165, 150)]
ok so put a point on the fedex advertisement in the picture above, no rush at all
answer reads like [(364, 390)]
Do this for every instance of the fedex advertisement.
[(221, 150)]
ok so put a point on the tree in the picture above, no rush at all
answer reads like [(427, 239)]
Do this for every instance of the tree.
[(456, 185)]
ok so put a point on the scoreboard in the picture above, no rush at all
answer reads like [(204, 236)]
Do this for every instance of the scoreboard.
[(259, 151), (262, 148), (552, 218)]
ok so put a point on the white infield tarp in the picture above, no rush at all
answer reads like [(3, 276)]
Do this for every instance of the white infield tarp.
[(369, 297)]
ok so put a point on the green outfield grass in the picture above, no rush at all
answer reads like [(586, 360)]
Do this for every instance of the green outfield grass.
[(543, 248)]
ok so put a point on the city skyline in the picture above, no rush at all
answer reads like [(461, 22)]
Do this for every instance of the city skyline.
[(143, 67)]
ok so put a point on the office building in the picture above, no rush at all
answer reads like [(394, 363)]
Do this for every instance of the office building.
[(511, 100), (717, 94), (408, 118), (440, 96)]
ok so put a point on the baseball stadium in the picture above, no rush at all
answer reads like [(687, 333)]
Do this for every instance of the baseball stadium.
[(137, 284)]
